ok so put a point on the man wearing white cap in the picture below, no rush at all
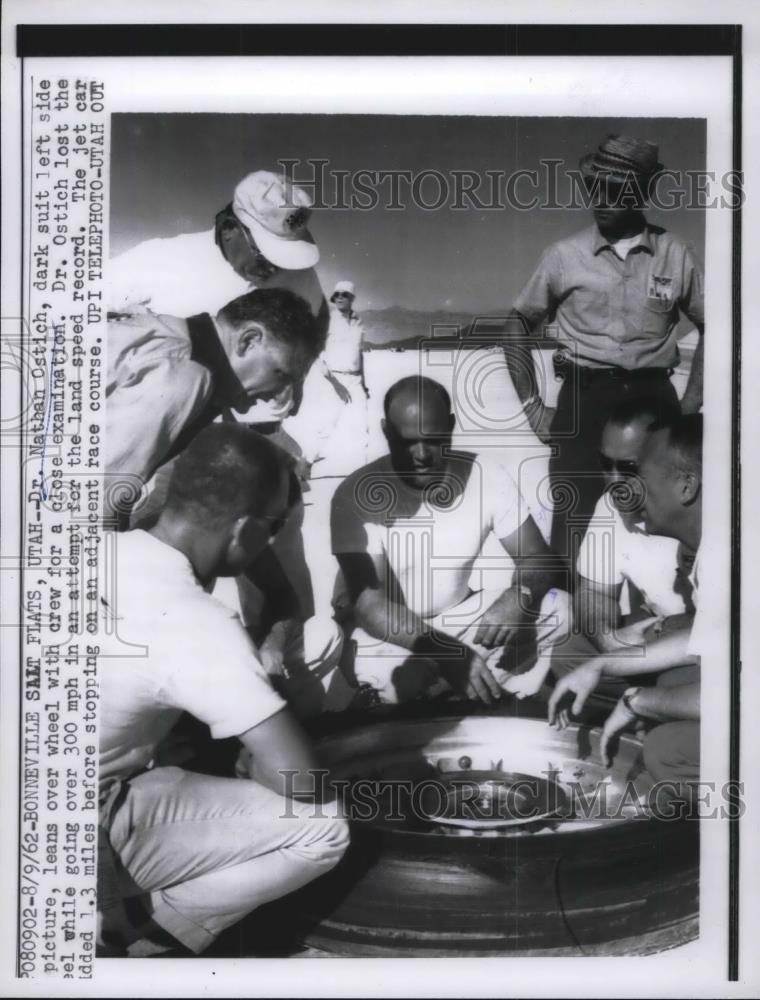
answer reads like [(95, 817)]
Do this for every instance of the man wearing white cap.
[(260, 238)]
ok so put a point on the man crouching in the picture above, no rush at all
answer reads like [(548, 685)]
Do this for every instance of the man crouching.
[(192, 854), (407, 530)]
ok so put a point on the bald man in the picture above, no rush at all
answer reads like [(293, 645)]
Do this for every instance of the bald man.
[(406, 531)]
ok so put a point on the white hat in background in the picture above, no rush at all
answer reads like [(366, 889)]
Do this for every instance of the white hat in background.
[(276, 214), (344, 286)]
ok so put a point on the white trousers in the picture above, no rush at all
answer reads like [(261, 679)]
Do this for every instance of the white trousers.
[(207, 851)]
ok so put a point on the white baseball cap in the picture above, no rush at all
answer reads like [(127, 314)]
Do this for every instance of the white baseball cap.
[(276, 213)]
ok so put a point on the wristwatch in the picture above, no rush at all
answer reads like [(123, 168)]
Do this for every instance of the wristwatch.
[(628, 696)]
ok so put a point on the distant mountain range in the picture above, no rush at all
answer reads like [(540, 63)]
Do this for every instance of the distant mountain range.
[(403, 329)]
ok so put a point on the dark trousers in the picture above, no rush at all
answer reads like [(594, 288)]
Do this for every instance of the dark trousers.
[(586, 399)]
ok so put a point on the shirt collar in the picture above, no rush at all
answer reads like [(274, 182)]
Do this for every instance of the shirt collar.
[(207, 350), (599, 243)]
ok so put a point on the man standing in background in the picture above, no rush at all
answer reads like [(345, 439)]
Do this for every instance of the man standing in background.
[(614, 293), (331, 429), (331, 426)]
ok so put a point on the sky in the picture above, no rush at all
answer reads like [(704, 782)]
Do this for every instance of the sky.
[(171, 173)]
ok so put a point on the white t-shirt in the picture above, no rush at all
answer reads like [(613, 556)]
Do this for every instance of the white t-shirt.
[(612, 553), (430, 546), (178, 649), (624, 246)]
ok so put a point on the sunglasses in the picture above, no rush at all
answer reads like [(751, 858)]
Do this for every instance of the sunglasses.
[(625, 467), (342, 295)]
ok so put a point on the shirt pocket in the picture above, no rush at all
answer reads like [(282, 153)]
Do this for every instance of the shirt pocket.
[(660, 295)]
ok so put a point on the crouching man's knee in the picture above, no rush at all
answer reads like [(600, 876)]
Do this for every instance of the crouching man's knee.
[(334, 842), (326, 834)]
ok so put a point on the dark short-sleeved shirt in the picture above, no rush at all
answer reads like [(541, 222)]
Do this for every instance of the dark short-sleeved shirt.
[(611, 311)]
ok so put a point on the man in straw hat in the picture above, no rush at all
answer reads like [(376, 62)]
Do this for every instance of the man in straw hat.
[(612, 294)]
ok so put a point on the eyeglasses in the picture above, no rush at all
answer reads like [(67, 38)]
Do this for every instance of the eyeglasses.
[(263, 265), (342, 295), (624, 467)]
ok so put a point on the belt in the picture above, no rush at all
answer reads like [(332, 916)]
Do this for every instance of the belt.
[(586, 376)]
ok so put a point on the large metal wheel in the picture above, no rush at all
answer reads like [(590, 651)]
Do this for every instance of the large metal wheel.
[(569, 883)]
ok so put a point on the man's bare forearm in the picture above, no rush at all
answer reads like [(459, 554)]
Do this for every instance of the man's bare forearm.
[(395, 623), (668, 704), (597, 614), (653, 657)]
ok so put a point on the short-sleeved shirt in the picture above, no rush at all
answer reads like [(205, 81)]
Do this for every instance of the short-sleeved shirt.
[(178, 649), (430, 544), (612, 552), (613, 312), (153, 391)]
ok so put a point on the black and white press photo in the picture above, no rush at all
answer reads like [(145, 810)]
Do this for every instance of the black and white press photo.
[(375, 397), (411, 407)]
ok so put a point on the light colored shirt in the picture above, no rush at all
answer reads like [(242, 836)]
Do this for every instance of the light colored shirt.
[(343, 351), (188, 274), (610, 311), (430, 546), (612, 552), (153, 390), (178, 649)]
